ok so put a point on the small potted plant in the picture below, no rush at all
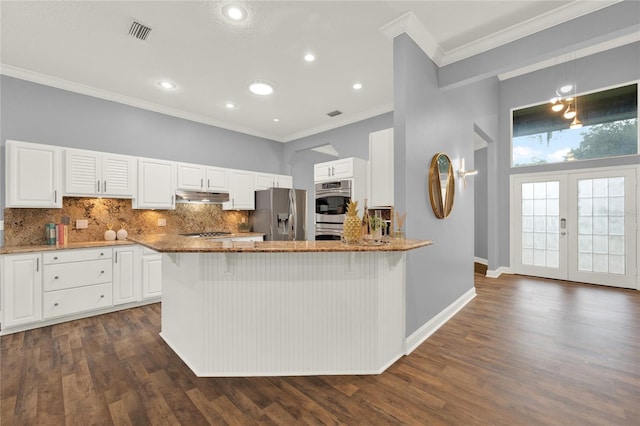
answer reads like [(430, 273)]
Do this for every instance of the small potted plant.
[(376, 223)]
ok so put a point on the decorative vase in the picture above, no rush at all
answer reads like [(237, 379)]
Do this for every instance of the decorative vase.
[(122, 233), (110, 234), (352, 226)]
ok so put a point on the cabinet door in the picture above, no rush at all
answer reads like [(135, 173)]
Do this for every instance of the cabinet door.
[(126, 287), (118, 175), (81, 172), (241, 192), (381, 168), (151, 276), (284, 181), (321, 172), (22, 282), (342, 168), (217, 179), (264, 181), (190, 177), (156, 184), (32, 175)]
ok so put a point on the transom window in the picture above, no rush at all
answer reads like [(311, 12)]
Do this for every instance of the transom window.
[(605, 124)]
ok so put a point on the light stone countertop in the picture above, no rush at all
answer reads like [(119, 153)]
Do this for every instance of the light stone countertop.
[(178, 244), (93, 244)]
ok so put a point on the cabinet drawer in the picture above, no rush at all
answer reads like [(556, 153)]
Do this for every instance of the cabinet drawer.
[(73, 300), (63, 256), (76, 274)]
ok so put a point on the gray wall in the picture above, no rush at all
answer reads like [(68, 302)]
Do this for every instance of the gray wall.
[(480, 187), (610, 68), (349, 141), (36, 113), (429, 120)]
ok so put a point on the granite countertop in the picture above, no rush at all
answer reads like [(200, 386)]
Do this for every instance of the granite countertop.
[(94, 244), (45, 247), (178, 244)]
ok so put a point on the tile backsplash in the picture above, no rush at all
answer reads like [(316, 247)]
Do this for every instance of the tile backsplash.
[(27, 226)]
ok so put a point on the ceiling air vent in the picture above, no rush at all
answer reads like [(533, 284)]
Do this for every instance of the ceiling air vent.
[(334, 113), (139, 31)]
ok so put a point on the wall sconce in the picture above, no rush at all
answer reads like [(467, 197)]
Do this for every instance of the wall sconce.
[(462, 173)]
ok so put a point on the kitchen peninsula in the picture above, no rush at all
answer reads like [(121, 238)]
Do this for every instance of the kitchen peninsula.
[(283, 308)]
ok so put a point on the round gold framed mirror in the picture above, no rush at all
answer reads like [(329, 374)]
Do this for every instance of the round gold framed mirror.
[(441, 185)]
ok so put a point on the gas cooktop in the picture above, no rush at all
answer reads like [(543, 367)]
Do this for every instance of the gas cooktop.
[(206, 234)]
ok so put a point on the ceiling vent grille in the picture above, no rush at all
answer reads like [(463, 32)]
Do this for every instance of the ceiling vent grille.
[(334, 113), (139, 31)]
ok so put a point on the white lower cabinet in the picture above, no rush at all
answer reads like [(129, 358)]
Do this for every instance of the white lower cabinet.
[(76, 281), (126, 275), (43, 288), (151, 274), (22, 285)]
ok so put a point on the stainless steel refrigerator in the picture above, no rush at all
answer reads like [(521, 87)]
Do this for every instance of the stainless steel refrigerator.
[(281, 214)]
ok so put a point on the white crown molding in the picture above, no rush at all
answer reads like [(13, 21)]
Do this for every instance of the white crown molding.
[(580, 53), (570, 11), (409, 24), (340, 122), (47, 80)]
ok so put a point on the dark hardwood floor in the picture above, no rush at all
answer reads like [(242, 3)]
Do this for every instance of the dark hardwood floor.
[(525, 351)]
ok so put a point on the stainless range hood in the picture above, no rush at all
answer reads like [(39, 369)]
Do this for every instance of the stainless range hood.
[(201, 197)]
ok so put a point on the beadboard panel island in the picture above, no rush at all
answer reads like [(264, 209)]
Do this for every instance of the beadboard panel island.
[(283, 308)]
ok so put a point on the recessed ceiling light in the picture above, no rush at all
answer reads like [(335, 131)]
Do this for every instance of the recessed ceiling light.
[(309, 57), (261, 87), (357, 86), (275, 120), (234, 12), (230, 105), (166, 84), (566, 88)]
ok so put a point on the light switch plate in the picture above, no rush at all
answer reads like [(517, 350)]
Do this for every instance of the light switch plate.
[(162, 222), (1, 225), (82, 224)]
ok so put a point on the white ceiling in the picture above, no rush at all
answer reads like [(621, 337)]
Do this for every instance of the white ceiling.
[(85, 47)]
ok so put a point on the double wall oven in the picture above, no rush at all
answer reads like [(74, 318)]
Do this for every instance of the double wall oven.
[(331, 200)]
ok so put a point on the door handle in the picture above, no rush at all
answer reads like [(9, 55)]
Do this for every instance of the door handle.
[(104, 187)]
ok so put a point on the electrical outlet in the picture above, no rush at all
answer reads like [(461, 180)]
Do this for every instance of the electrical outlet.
[(82, 224), (1, 225), (162, 222)]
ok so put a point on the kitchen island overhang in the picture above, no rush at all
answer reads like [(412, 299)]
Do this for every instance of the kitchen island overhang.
[(283, 308)]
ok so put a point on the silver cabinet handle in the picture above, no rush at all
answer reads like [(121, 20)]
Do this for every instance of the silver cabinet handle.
[(104, 187), (55, 196), (102, 296), (37, 264), (102, 272), (98, 186), (55, 278), (101, 254), (55, 304), (201, 182), (116, 259), (208, 183)]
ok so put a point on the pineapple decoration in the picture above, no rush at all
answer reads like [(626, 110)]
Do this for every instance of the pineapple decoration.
[(352, 227)]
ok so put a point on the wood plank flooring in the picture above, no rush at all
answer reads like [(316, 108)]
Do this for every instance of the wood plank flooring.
[(525, 351)]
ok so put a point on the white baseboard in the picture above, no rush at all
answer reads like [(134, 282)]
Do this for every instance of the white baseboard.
[(480, 260), (497, 272), (423, 333)]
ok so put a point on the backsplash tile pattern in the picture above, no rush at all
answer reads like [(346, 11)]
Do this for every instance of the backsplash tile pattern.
[(27, 226)]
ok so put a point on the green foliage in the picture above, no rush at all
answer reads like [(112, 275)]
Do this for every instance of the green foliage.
[(608, 140)]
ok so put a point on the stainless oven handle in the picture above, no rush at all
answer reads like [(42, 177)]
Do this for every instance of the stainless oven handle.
[(333, 193)]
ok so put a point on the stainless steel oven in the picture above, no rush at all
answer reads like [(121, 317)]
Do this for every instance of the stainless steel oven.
[(331, 199)]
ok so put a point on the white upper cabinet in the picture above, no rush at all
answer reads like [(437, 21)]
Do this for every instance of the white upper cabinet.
[(241, 191), (268, 180), (194, 177), (32, 175), (339, 169), (90, 173), (381, 168), (156, 184)]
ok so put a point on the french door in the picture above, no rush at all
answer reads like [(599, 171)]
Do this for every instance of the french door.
[(576, 226)]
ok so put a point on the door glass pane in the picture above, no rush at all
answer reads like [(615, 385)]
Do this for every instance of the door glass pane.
[(601, 238), (540, 224)]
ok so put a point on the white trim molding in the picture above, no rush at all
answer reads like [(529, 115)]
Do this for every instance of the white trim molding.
[(424, 332), (409, 24), (481, 260), (495, 273)]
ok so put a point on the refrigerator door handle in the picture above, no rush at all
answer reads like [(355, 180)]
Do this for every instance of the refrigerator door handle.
[(293, 214)]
